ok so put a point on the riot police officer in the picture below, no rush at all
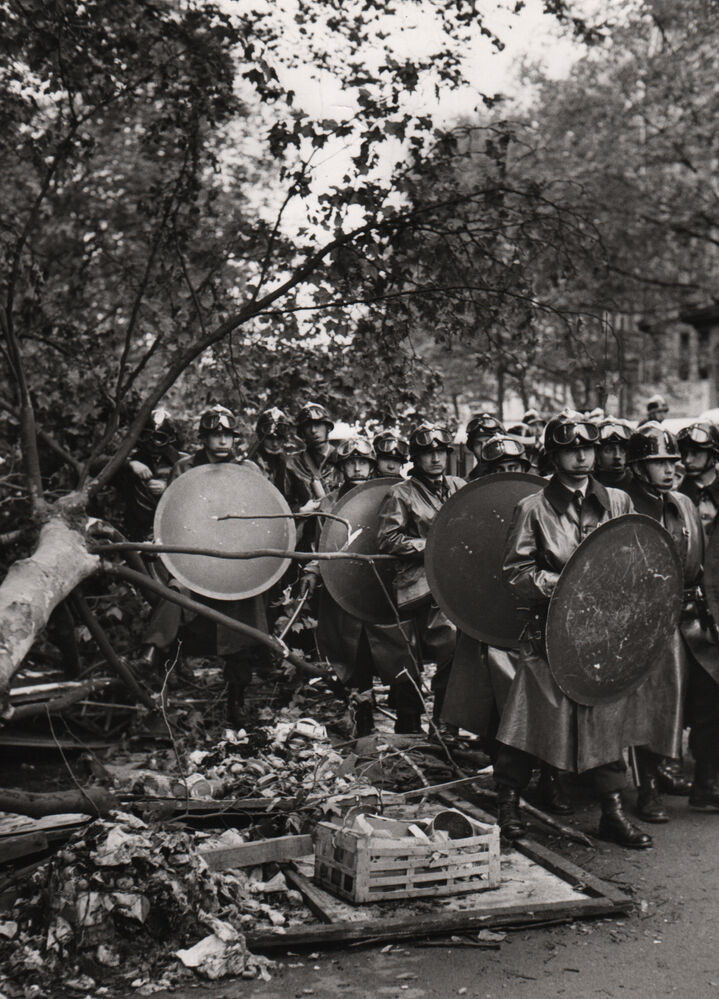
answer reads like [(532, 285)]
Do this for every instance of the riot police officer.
[(480, 428), (392, 452), (538, 719), (698, 445), (357, 649), (405, 518), (611, 468), (503, 453), (240, 654), (147, 473), (654, 452), (268, 451), (312, 473)]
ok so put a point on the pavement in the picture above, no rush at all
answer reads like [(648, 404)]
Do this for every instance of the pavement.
[(668, 945)]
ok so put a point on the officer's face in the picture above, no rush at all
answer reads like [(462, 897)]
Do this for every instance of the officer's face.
[(696, 460), (272, 444), (612, 457), (433, 462), (510, 465), (356, 469), (660, 472), (315, 432), (389, 466), (219, 444), (574, 462)]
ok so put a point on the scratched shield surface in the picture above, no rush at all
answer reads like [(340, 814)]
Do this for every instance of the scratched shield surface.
[(465, 552), (198, 510), (617, 602), (352, 584)]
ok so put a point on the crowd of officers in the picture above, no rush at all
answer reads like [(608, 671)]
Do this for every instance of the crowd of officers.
[(596, 467)]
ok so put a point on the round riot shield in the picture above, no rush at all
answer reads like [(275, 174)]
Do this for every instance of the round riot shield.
[(710, 581), (191, 512), (465, 553), (616, 604), (353, 584)]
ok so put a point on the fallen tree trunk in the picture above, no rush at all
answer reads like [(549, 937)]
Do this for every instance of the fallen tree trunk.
[(34, 586), (88, 800)]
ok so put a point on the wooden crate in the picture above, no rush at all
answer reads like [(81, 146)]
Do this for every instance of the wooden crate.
[(363, 868)]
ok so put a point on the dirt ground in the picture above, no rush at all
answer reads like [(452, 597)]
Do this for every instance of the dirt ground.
[(667, 946)]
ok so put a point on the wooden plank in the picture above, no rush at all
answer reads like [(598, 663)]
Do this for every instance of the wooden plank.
[(317, 901), (430, 925), (260, 851), (563, 868), (12, 847)]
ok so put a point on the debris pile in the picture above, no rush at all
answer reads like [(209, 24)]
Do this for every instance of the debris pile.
[(118, 903)]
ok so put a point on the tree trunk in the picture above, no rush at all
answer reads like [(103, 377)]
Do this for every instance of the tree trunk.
[(33, 588)]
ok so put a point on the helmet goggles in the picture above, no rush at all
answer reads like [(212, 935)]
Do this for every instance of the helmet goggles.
[(576, 433), (391, 446), (217, 419), (499, 448), (432, 437), (699, 434), (614, 432), (355, 447)]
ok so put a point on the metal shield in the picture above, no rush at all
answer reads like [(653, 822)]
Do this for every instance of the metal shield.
[(188, 513), (616, 605), (354, 585), (464, 555)]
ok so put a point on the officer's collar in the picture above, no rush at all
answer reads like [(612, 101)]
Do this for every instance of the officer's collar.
[(560, 497)]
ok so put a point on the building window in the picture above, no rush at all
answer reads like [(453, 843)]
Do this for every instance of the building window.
[(684, 356)]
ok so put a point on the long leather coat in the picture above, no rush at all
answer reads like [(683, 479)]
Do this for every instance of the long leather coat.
[(340, 635), (538, 718), (705, 499), (696, 641), (405, 518)]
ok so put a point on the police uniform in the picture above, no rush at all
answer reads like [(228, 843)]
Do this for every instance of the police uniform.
[(405, 519)]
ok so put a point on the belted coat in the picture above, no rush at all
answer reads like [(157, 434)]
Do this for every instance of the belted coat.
[(538, 717)]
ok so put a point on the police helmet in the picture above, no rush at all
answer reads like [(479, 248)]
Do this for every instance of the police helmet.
[(502, 447), (703, 436), (483, 425), (614, 431), (217, 418), (569, 429), (389, 444), (313, 412), (429, 437), (650, 441), (272, 422), (355, 447)]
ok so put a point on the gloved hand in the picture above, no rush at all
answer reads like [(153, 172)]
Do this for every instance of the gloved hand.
[(307, 584), (141, 470), (156, 486)]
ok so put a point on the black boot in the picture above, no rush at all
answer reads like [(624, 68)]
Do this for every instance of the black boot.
[(236, 714), (510, 821), (408, 723), (552, 795), (671, 779), (704, 795), (650, 807), (616, 827), (361, 713)]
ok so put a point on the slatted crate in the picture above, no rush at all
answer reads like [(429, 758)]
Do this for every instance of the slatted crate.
[(364, 868)]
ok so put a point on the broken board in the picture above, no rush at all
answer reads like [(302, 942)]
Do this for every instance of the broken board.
[(538, 887)]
